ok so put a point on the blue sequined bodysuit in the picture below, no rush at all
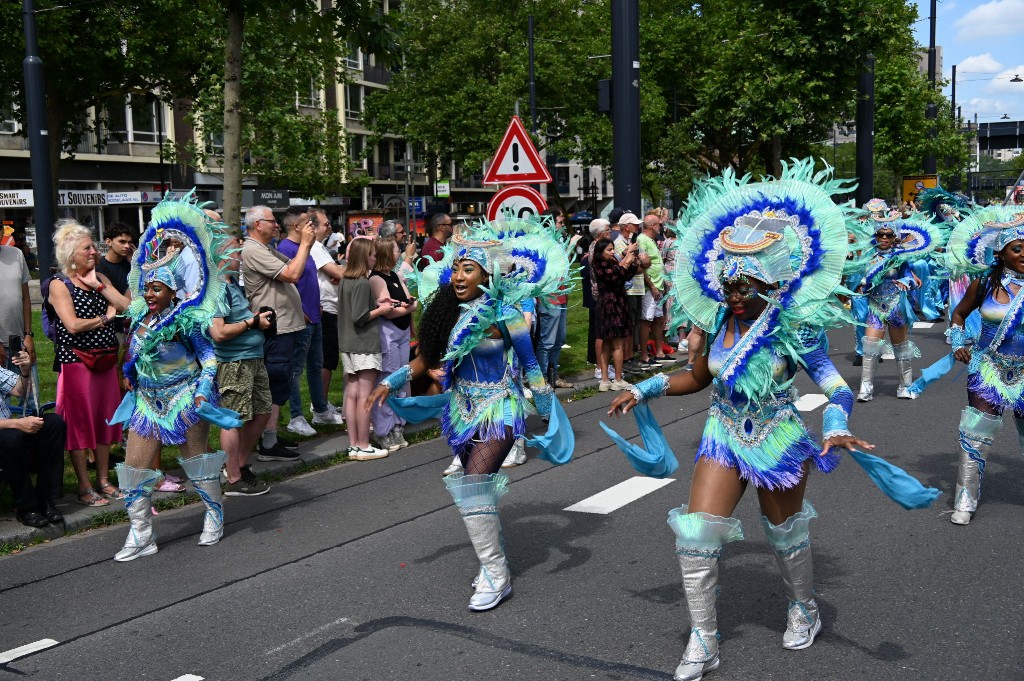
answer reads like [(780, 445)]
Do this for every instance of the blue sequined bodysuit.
[(996, 372), (765, 438), (887, 304)]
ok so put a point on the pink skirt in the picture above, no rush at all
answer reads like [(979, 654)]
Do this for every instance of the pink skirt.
[(86, 400)]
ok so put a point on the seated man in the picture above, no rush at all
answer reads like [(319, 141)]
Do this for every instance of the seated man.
[(30, 444)]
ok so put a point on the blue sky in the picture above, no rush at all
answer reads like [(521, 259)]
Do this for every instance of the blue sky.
[(986, 42)]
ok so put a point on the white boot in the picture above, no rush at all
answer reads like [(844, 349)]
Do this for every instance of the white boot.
[(904, 353), (792, 544), (204, 472), (699, 540), (872, 351), (138, 485), (977, 431), (477, 499)]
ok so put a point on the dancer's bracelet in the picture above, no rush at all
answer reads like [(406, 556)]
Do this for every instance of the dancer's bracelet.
[(397, 380), (957, 336), (833, 422), (648, 389)]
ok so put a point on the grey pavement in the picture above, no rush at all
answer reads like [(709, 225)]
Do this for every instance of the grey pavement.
[(362, 571)]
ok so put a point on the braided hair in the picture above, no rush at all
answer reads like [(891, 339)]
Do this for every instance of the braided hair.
[(439, 318)]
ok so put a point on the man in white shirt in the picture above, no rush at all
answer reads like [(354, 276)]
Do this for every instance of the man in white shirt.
[(328, 274)]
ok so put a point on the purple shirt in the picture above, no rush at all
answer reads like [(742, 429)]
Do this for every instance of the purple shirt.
[(308, 285)]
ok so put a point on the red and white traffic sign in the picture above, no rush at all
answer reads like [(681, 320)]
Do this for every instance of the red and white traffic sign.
[(520, 200), (517, 160)]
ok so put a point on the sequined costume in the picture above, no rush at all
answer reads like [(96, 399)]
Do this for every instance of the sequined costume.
[(888, 305), (170, 364), (996, 369), (482, 402)]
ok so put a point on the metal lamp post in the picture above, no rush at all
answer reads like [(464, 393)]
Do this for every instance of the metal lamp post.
[(38, 136)]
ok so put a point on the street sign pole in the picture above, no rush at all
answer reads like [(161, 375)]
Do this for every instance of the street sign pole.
[(38, 146)]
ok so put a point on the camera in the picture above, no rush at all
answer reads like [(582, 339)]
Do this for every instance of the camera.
[(272, 329), (13, 345)]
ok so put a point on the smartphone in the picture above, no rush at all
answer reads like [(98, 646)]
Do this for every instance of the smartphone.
[(13, 345)]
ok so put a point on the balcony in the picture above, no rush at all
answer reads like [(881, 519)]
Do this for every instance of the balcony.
[(377, 74)]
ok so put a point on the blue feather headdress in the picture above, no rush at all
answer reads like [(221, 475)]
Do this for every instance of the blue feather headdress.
[(986, 231)]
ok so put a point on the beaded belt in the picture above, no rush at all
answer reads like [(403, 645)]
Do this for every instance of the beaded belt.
[(1009, 367), (751, 423)]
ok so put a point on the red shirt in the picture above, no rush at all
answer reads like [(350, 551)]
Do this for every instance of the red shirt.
[(431, 253)]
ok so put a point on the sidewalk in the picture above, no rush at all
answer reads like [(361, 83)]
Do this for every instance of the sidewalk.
[(78, 517)]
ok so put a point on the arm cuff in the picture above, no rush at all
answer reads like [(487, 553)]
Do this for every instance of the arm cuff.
[(398, 379), (834, 422), (957, 336), (647, 390)]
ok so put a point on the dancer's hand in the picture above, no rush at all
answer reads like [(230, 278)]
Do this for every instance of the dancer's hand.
[(845, 442), (377, 397), (622, 404), (962, 355)]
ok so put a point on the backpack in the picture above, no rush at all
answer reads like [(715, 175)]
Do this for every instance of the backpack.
[(49, 317)]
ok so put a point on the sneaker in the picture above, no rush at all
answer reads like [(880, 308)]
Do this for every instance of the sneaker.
[(388, 442), (665, 360), (399, 435), (604, 386), (688, 367), (562, 383), (684, 346), (454, 467), (246, 486), (276, 453), (287, 444), (566, 346), (611, 373), (368, 454), (327, 418), (597, 373), (300, 426), (620, 385), (650, 363)]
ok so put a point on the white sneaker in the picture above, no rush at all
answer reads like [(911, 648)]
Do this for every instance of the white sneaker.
[(367, 454), (620, 385), (566, 346), (611, 373), (683, 346), (327, 418), (604, 386), (454, 467), (300, 426), (331, 408), (597, 373)]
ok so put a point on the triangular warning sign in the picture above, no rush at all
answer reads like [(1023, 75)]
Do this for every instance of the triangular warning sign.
[(517, 160)]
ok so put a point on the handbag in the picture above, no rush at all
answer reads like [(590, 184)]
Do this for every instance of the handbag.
[(97, 360)]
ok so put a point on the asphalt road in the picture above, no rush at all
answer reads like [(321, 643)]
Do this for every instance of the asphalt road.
[(362, 572)]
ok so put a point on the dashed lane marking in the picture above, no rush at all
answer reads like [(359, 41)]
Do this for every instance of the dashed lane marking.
[(810, 402), (28, 649), (923, 325), (618, 496), (189, 677)]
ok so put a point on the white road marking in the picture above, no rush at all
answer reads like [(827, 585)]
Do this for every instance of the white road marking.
[(618, 496), (325, 627), (810, 402), (189, 677), (888, 355), (923, 325), (28, 649)]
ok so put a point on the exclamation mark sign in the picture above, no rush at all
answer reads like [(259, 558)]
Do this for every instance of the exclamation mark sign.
[(515, 157)]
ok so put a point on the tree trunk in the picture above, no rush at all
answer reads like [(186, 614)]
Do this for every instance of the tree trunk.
[(233, 114)]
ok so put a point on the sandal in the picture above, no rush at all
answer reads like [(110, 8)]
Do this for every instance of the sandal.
[(169, 486), (172, 478), (89, 497), (104, 490)]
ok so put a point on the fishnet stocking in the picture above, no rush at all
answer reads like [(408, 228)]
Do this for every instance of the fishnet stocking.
[(486, 457)]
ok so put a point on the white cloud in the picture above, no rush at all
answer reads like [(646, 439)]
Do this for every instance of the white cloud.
[(982, 63), (996, 18), (985, 107), (1002, 82)]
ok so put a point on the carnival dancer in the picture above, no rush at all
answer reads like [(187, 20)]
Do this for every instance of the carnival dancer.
[(473, 328), (172, 368), (989, 243), (946, 209), (767, 258), (887, 278)]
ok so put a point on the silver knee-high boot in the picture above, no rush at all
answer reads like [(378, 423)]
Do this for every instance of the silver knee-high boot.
[(204, 472), (872, 351), (977, 430), (138, 485), (792, 545), (905, 353), (476, 497), (699, 540)]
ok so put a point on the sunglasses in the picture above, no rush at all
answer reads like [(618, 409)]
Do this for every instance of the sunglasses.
[(885, 235)]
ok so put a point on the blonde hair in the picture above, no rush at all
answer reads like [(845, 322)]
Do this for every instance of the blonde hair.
[(357, 258), (386, 257), (66, 240)]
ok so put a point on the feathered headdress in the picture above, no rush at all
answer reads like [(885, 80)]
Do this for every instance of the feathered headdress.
[(986, 231)]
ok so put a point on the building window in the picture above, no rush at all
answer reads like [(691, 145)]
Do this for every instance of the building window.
[(308, 97), (356, 148), (133, 119), (353, 101), (354, 60)]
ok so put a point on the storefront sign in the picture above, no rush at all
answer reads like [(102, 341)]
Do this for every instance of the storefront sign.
[(122, 198), (272, 198), (16, 198), (442, 189), (97, 198)]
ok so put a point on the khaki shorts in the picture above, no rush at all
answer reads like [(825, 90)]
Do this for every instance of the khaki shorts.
[(244, 387)]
